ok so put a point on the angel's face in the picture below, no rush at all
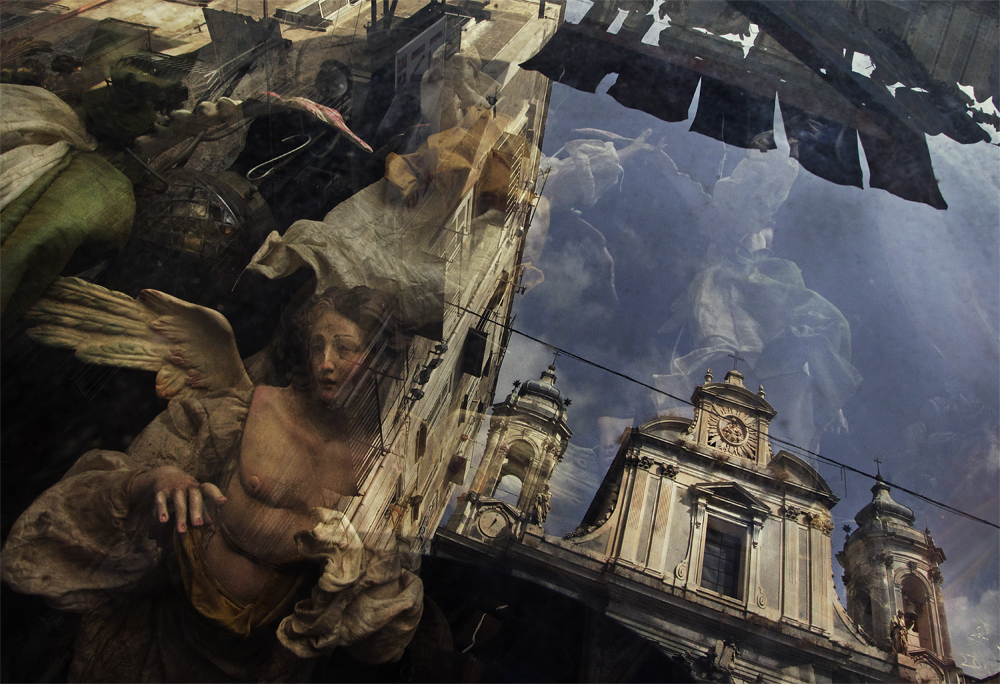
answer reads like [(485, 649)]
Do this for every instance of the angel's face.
[(335, 350)]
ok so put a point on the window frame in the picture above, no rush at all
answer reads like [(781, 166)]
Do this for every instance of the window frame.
[(728, 506), (735, 531)]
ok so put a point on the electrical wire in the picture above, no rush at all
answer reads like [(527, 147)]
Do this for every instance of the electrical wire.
[(802, 450)]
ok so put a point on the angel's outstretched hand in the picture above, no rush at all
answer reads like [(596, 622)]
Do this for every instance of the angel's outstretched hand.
[(168, 486)]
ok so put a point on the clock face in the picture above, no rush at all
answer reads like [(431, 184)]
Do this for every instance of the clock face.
[(731, 432), (492, 523)]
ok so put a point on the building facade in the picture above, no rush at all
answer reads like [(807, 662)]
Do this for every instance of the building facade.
[(527, 438), (719, 551), (433, 397)]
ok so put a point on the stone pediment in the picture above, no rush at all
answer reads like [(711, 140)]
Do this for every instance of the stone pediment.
[(728, 393), (731, 495), (791, 469), (665, 426)]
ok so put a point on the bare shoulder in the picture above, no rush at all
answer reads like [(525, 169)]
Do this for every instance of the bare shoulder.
[(272, 403), (279, 410), (265, 396)]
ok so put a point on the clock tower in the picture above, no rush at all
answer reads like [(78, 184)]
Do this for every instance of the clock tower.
[(731, 419), (527, 438)]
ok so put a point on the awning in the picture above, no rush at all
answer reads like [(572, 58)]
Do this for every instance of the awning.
[(746, 52)]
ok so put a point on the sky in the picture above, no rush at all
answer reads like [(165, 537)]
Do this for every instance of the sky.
[(919, 287)]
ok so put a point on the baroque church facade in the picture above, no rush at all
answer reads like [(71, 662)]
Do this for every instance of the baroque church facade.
[(716, 549)]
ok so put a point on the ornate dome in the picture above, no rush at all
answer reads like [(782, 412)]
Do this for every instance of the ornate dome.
[(882, 506), (543, 387)]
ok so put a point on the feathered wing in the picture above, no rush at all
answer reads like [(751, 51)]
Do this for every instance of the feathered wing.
[(190, 347)]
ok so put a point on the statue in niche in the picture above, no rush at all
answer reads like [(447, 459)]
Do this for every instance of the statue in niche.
[(899, 633), (233, 498), (718, 664), (541, 506)]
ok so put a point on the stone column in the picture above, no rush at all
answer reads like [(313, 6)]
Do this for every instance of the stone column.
[(820, 564), (696, 548), (536, 475), (756, 599), (660, 545), (942, 621), (882, 602), (482, 479), (789, 563), (626, 493)]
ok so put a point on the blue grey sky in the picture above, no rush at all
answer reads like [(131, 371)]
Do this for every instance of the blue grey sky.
[(919, 287)]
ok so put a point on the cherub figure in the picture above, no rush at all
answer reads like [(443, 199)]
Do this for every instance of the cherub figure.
[(256, 572)]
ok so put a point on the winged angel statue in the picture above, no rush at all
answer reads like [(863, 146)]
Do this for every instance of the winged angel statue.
[(257, 573)]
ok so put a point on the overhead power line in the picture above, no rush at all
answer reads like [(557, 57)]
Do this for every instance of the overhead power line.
[(825, 459)]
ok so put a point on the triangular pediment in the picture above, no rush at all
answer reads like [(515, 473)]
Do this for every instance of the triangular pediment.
[(731, 494)]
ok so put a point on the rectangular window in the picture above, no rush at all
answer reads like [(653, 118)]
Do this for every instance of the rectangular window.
[(720, 569), (421, 441)]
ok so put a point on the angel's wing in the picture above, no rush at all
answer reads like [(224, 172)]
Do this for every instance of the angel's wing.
[(190, 347)]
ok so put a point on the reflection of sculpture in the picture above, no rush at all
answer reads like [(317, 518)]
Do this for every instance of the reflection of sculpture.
[(254, 476), (541, 505), (798, 343), (899, 633)]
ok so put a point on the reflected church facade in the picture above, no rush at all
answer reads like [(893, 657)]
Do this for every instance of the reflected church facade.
[(719, 551)]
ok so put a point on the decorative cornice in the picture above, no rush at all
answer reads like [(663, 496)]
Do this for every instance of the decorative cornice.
[(791, 512), (633, 459), (580, 532), (821, 522), (691, 428), (583, 531)]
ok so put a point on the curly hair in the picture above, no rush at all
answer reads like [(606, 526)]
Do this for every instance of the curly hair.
[(364, 306)]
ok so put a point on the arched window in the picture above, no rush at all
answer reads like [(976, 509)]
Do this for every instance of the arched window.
[(513, 472), (508, 489), (916, 608), (863, 610)]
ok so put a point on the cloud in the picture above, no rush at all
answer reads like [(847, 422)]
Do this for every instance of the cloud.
[(573, 485), (975, 632)]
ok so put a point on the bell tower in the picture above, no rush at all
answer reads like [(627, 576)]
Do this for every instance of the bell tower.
[(527, 437), (893, 583)]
